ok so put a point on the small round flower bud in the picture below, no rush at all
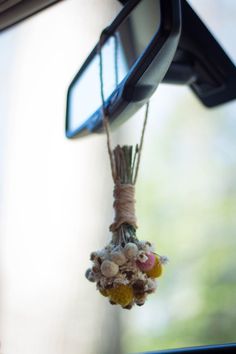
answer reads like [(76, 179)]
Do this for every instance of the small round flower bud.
[(118, 257), (131, 250), (151, 286), (109, 268), (89, 275), (139, 287), (128, 307), (145, 246), (140, 299)]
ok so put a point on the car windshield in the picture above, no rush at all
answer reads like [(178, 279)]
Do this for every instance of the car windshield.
[(56, 199)]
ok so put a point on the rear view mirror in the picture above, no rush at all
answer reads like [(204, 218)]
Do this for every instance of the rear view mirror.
[(137, 50)]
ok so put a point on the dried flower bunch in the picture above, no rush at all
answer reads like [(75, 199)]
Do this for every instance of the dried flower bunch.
[(125, 270)]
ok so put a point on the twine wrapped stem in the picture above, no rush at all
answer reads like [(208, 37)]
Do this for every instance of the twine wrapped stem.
[(124, 190)]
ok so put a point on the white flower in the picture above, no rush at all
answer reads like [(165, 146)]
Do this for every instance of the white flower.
[(142, 257), (146, 246), (131, 250), (118, 257), (109, 268), (151, 285)]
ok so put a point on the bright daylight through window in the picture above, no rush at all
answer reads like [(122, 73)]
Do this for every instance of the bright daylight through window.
[(56, 199)]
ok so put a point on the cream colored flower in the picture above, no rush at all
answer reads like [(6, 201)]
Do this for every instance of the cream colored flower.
[(118, 257), (109, 268), (131, 250)]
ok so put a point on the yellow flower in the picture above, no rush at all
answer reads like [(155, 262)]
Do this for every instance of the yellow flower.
[(122, 295), (103, 292), (156, 271)]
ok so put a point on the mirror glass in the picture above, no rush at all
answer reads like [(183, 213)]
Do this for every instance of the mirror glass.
[(131, 38)]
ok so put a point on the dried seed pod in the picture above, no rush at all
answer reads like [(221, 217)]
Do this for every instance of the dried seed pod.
[(118, 257), (109, 268), (140, 299), (99, 260), (131, 250), (96, 269), (112, 302), (139, 287), (140, 302), (128, 274), (108, 286), (145, 246), (90, 275), (128, 307), (151, 286), (93, 255)]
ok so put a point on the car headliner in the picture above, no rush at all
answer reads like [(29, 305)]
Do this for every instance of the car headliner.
[(14, 11)]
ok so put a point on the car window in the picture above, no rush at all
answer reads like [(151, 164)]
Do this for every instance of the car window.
[(219, 19), (56, 202)]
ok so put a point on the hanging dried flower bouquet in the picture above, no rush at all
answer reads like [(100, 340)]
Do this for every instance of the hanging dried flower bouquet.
[(125, 271)]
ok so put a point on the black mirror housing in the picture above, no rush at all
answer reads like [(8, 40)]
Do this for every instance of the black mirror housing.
[(143, 76)]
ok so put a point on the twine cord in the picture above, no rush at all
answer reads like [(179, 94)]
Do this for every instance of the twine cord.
[(124, 170), (140, 148), (124, 206), (105, 114)]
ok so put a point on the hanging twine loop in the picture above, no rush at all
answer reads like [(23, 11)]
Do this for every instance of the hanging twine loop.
[(105, 112), (124, 167)]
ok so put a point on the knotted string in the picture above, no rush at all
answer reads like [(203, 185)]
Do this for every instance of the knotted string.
[(124, 203)]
